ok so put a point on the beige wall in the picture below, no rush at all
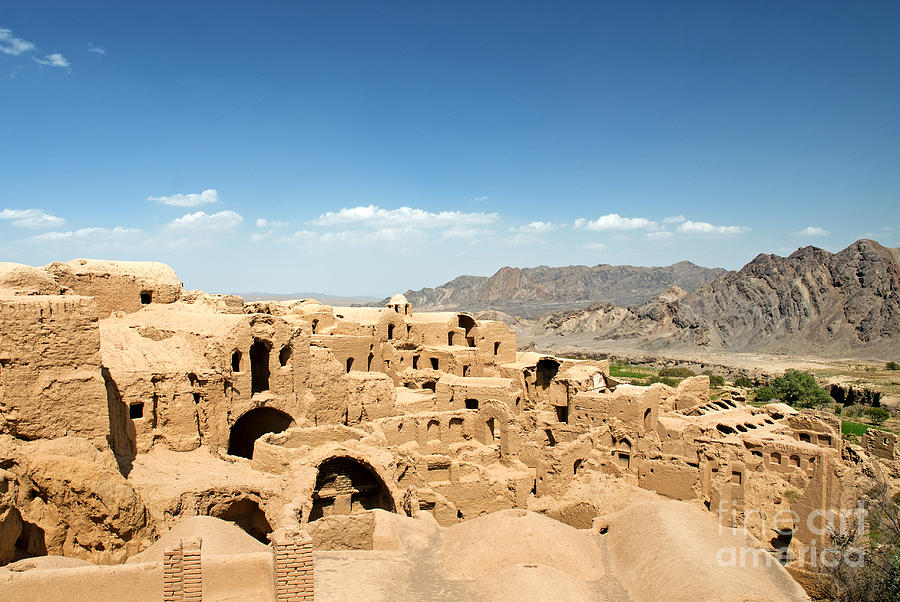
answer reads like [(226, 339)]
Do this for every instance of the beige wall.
[(50, 377)]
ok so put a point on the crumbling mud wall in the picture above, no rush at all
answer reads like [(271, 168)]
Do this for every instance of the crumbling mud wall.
[(50, 377)]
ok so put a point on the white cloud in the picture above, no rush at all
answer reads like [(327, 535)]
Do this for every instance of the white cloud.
[(812, 231), (96, 49), (613, 221), (31, 218), (675, 219), (595, 246), (661, 235), (691, 227), (262, 222), (223, 221), (373, 216), (100, 235), (9, 44), (210, 195), (537, 227), (53, 60), (479, 199)]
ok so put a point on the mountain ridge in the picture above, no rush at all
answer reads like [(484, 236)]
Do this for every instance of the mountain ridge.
[(810, 300), (540, 290)]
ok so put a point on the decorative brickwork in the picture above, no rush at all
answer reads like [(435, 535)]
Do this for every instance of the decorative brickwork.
[(182, 572), (293, 565)]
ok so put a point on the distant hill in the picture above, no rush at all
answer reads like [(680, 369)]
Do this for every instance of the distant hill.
[(323, 297), (836, 303), (541, 290)]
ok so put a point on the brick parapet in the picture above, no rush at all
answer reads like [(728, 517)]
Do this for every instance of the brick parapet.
[(292, 550), (183, 571)]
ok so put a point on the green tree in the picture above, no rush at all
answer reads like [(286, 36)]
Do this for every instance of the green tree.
[(743, 381), (892, 366), (715, 380), (796, 388)]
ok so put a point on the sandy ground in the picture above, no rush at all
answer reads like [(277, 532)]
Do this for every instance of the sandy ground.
[(657, 549)]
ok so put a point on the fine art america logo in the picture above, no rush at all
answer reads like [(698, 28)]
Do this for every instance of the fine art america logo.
[(818, 528)]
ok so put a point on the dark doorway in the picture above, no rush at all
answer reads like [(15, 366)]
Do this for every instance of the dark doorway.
[(347, 486), (253, 425), (259, 366), (546, 371)]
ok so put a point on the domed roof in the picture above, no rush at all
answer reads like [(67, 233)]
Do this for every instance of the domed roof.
[(398, 299)]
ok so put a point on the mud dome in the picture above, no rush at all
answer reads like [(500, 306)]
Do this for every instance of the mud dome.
[(284, 415)]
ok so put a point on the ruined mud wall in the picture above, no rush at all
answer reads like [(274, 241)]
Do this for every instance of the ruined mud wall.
[(50, 375)]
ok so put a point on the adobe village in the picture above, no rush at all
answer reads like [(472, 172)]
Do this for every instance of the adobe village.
[(167, 444)]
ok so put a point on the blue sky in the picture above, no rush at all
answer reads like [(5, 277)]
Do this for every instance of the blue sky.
[(365, 148)]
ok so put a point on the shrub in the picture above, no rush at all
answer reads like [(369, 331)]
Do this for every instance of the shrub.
[(877, 415), (797, 389), (743, 381), (878, 578), (892, 366), (679, 372)]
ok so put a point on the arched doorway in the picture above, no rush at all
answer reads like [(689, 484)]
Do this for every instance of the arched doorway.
[(253, 425), (347, 486), (246, 514)]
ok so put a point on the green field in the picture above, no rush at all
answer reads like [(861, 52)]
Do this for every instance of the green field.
[(848, 427), (629, 371)]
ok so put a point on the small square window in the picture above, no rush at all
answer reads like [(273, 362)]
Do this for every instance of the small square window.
[(146, 298), (136, 411)]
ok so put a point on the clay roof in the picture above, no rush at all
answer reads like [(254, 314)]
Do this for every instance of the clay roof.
[(142, 270), (398, 299), (361, 315)]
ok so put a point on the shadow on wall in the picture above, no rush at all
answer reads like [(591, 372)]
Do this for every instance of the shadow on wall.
[(122, 437)]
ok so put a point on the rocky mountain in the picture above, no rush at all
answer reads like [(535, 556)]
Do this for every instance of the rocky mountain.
[(834, 303), (541, 290)]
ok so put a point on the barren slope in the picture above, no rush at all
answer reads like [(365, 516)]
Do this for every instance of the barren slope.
[(812, 300)]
